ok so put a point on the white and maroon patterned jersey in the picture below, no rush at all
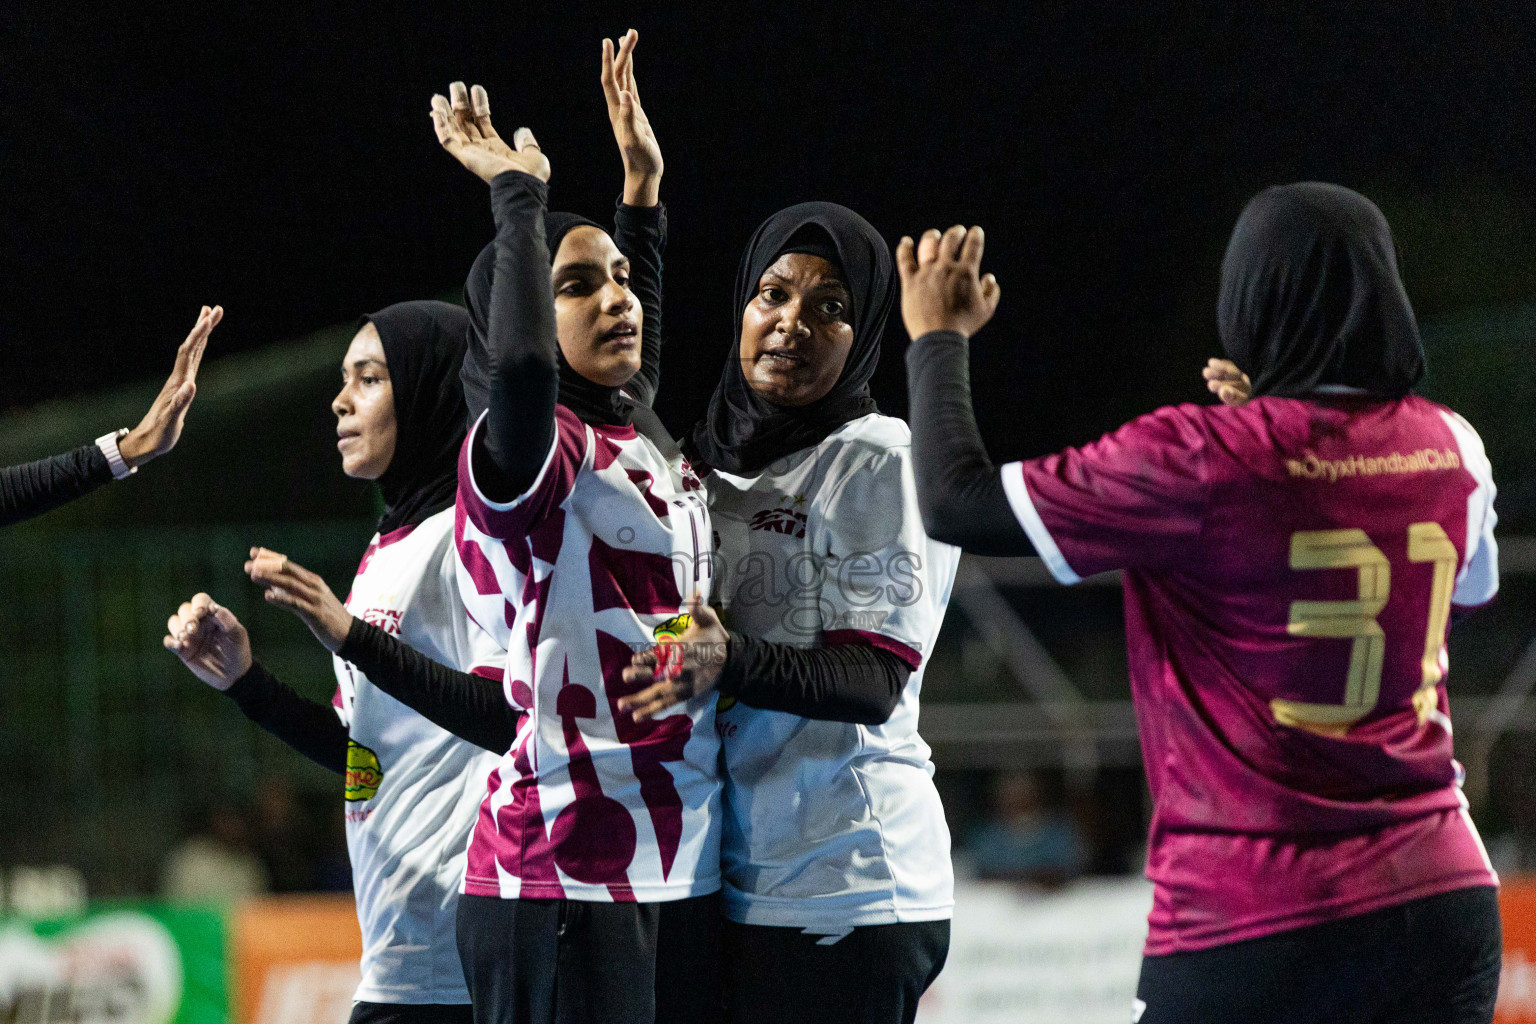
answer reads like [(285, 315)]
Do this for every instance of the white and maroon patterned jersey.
[(412, 788), (832, 825), (1290, 571), (594, 562)]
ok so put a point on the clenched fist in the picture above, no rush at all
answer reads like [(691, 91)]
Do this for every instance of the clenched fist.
[(941, 284)]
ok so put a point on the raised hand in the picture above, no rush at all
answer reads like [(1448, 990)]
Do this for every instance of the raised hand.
[(941, 284), (160, 429), (464, 129), (210, 641), (631, 128), (290, 585), (1224, 380), (673, 672)]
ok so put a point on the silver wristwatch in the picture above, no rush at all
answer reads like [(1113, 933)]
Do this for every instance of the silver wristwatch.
[(108, 445)]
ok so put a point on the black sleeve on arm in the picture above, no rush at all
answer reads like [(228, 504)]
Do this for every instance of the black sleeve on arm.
[(959, 491), (310, 728), (524, 373), (640, 232), (469, 706), (36, 487), (848, 683)]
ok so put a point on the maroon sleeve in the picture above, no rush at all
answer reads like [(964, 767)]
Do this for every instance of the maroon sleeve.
[(1135, 498)]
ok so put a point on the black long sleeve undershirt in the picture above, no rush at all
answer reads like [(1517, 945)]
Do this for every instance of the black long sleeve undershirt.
[(308, 727), (847, 683), (959, 490), (524, 372), (469, 706), (640, 233), (33, 488)]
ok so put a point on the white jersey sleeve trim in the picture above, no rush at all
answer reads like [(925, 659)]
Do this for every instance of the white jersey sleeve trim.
[(1478, 581), (1024, 509), (507, 506)]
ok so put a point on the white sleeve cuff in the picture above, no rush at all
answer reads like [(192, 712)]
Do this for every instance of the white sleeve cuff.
[(1024, 509), (507, 506)]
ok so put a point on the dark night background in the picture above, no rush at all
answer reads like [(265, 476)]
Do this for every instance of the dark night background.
[(283, 164)]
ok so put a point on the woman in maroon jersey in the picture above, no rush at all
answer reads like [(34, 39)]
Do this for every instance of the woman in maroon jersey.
[(1290, 567)]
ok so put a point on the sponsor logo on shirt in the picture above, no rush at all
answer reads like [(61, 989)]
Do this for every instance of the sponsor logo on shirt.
[(1425, 460), (780, 520), (861, 618), (387, 619), (364, 774)]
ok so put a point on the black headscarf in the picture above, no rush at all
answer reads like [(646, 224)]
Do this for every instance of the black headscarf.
[(742, 432), (423, 348), (590, 401), (1310, 295)]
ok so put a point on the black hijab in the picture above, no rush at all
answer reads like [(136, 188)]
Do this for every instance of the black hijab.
[(423, 348), (1310, 295), (590, 401), (742, 432)]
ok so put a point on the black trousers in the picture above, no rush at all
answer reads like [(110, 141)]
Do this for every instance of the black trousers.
[(410, 1013), (1430, 961), (873, 975), (573, 962)]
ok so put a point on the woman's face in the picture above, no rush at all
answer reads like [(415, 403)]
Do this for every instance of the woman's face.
[(365, 408), (795, 334), (597, 318)]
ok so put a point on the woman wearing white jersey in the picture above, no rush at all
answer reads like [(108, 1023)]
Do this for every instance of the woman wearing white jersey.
[(835, 852), (412, 789), (594, 859)]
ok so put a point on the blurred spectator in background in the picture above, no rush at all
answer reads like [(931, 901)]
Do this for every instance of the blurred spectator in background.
[(1023, 839), (333, 866), (284, 836), (216, 863)]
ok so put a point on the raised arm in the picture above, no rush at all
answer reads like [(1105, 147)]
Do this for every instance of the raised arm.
[(640, 223), (36, 487), (471, 707), (524, 370), (944, 301)]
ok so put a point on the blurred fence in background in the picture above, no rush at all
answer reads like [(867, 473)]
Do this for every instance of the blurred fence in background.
[(107, 744)]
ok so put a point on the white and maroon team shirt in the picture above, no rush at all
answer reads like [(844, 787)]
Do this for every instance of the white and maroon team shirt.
[(1290, 571), (595, 562), (832, 825), (412, 788)]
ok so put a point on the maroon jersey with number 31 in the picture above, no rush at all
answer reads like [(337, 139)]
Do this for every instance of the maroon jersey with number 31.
[(1290, 567)]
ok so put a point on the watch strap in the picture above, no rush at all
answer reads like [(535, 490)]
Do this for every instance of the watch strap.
[(108, 445)]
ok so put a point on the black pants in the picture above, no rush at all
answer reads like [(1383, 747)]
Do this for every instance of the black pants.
[(1431, 961), (410, 1013), (573, 962), (873, 975)]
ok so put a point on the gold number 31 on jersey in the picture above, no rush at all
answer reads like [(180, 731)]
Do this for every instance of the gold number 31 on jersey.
[(1352, 549)]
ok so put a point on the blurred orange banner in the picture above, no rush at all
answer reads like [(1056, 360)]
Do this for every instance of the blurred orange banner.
[(1517, 986), (294, 959)]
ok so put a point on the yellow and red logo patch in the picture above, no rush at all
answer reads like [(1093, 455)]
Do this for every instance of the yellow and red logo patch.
[(364, 774)]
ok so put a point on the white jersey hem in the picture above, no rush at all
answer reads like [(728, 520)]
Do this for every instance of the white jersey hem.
[(425, 997), (788, 913), (599, 894)]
